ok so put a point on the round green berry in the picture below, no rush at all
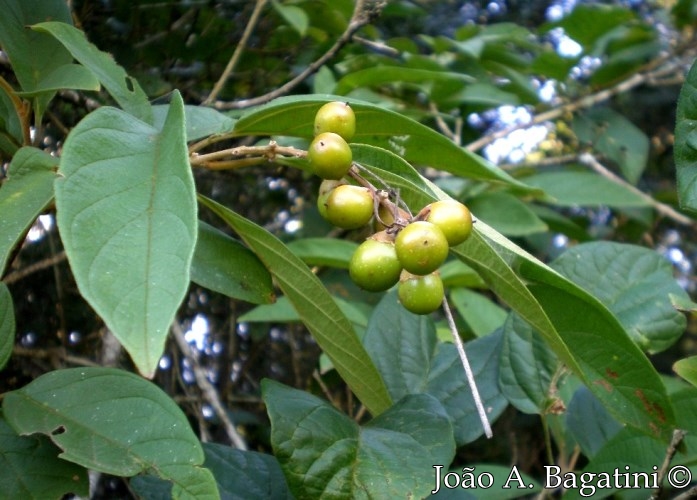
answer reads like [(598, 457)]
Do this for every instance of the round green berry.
[(453, 218), (421, 247), (420, 294), (337, 117), (348, 206), (330, 156), (374, 265)]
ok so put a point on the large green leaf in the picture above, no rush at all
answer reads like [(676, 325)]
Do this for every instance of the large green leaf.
[(68, 76), (586, 24), (126, 211), (615, 137), (589, 422), (412, 361), (506, 213), (27, 191), (33, 55), (330, 252), (11, 134), (114, 422), (416, 143), (318, 311), (325, 454), (481, 314), (7, 325), (123, 88), (30, 468), (383, 74), (686, 142), (200, 121), (635, 283), (224, 265), (687, 369)]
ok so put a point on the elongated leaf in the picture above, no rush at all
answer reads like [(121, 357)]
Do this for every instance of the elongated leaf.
[(589, 422), (507, 214), (570, 188), (382, 74), (687, 369), (481, 314), (30, 468), (115, 422), (616, 138), (200, 121), (7, 325), (68, 76), (224, 265), (26, 192), (527, 366), (635, 283), (294, 116), (329, 252), (127, 216), (123, 88), (328, 325), (412, 361), (325, 454), (11, 135), (293, 15), (686, 142)]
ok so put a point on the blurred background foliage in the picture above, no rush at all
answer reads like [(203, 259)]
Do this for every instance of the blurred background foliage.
[(575, 97)]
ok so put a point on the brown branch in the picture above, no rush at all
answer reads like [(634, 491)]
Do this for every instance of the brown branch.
[(251, 24), (32, 268), (361, 17)]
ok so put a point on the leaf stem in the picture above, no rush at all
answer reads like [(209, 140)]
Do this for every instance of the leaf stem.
[(468, 370)]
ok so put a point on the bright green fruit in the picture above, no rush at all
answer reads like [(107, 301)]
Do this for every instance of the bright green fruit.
[(330, 156), (453, 218), (421, 247), (348, 206), (420, 294), (375, 266), (337, 117), (325, 189)]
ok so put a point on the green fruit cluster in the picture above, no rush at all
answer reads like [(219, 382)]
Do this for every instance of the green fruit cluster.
[(404, 250)]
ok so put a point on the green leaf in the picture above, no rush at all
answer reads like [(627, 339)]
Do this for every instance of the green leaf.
[(25, 193), (114, 422), (527, 366), (618, 139), (123, 88), (633, 282), (416, 143), (686, 142), (329, 252), (325, 454), (293, 15), (126, 212), (588, 23), (571, 188), (318, 311), (506, 213), (200, 121), (68, 76), (383, 74), (7, 325), (224, 265), (11, 135), (687, 369), (33, 55), (30, 468), (590, 424), (412, 361), (481, 314), (245, 474)]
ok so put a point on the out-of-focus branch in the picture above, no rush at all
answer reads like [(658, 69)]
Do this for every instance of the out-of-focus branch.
[(364, 12)]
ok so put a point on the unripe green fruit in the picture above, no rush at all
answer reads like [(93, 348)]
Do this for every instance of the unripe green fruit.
[(453, 218), (421, 247), (325, 189), (374, 265), (348, 206), (330, 156), (420, 294), (337, 117)]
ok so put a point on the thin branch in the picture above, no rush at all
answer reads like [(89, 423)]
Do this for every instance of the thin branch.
[(468, 370), (35, 267), (209, 392), (361, 16), (655, 70), (251, 24), (663, 209), (678, 436)]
